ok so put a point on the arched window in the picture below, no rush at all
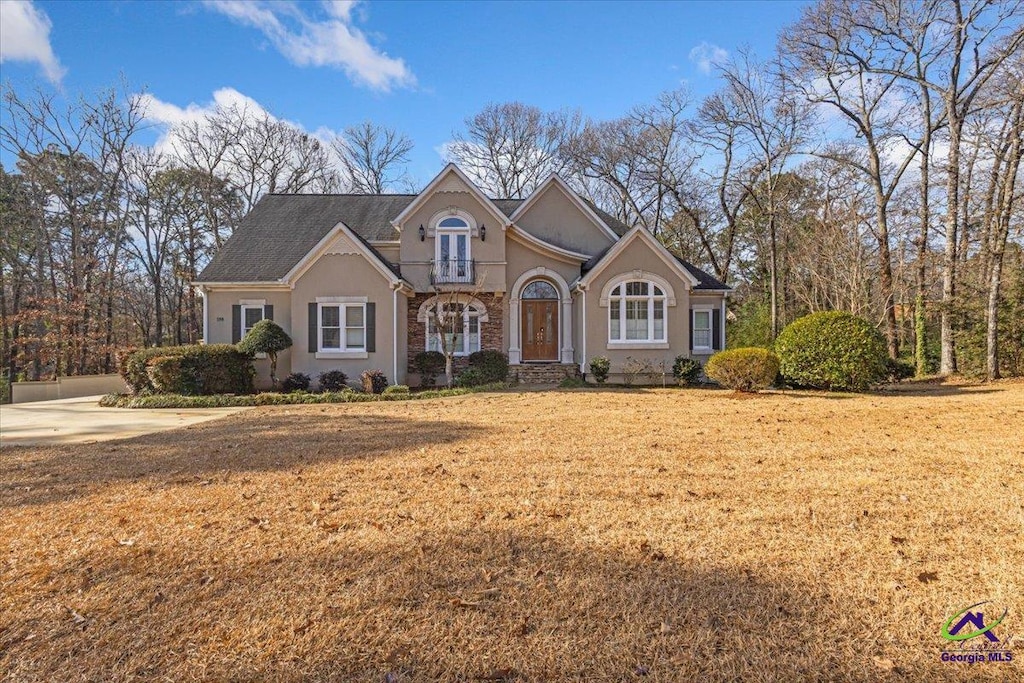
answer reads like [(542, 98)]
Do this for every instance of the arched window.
[(539, 289), (636, 312)]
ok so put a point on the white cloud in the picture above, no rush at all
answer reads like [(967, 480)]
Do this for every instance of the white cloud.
[(707, 56), (330, 40), (25, 37)]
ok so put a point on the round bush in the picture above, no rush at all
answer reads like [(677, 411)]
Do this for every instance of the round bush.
[(686, 370), (429, 364), (373, 381), (747, 369), (599, 368), (297, 381), (333, 380), (832, 350)]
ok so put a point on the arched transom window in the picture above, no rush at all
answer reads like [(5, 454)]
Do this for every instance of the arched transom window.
[(539, 289), (636, 312)]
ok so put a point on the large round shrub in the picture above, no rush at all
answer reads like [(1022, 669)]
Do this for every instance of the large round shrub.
[(491, 366), (746, 369), (832, 350)]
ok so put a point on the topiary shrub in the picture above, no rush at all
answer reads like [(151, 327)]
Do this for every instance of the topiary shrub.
[(297, 381), (200, 369), (747, 369), (832, 350), (429, 364), (267, 337), (333, 380), (374, 381), (686, 370), (599, 368), (492, 366)]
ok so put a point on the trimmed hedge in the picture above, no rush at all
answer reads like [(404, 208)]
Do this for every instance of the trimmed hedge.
[(599, 368), (333, 380), (278, 399), (297, 381), (832, 350), (490, 366), (198, 369), (746, 369)]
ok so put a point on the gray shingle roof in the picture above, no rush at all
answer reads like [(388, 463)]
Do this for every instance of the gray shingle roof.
[(282, 228), (705, 281)]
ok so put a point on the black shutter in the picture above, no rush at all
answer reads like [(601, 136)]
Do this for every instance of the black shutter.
[(690, 325), (371, 327), (268, 312), (236, 323), (312, 327), (716, 329)]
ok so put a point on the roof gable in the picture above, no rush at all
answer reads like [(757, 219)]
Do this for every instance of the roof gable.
[(602, 261), (450, 179), (554, 183)]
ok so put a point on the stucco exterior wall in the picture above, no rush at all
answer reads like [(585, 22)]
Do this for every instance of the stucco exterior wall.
[(351, 275), (220, 301), (553, 217), (638, 259)]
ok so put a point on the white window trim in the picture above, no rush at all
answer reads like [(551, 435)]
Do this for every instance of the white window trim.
[(342, 302), (710, 309), (650, 342), (256, 304), (452, 232), (481, 317)]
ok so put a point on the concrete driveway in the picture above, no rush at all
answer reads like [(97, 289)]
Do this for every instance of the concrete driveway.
[(77, 420)]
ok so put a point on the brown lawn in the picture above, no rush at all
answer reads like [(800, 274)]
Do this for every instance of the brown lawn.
[(564, 535)]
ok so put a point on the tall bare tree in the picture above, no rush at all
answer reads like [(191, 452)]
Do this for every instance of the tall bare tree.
[(372, 157)]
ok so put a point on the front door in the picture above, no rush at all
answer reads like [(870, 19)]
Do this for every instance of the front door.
[(540, 329)]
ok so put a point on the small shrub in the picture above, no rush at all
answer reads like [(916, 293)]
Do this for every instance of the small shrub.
[(572, 383), (429, 364), (396, 391), (297, 381), (374, 381), (633, 368), (599, 368), (492, 366), (686, 370), (899, 370), (748, 369), (832, 350), (267, 337), (470, 377), (202, 369), (333, 380)]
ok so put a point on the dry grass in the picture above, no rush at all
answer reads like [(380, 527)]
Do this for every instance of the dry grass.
[(570, 535)]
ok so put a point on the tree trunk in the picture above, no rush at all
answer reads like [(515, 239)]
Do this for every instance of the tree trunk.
[(947, 363), (885, 269), (921, 283)]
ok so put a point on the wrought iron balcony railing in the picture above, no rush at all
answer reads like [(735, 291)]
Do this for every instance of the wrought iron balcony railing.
[(452, 272)]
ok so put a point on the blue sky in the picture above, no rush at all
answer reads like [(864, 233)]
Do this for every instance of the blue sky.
[(417, 66)]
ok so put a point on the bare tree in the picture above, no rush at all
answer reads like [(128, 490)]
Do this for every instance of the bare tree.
[(508, 149), (372, 156)]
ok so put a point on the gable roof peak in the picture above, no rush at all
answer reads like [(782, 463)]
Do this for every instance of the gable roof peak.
[(449, 169)]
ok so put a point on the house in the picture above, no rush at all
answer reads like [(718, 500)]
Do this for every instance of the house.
[(551, 280)]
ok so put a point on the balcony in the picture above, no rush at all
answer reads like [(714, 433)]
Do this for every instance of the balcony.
[(453, 272)]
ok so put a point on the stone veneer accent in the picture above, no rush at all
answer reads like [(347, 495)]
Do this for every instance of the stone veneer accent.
[(491, 332)]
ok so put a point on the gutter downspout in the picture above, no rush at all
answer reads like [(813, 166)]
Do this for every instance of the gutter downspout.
[(206, 314), (394, 333), (722, 344), (583, 358)]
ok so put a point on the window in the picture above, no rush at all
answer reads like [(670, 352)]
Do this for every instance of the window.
[(702, 329), (538, 289), (342, 327), (452, 248), (636, 312), (461, 323), (250, 316)]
